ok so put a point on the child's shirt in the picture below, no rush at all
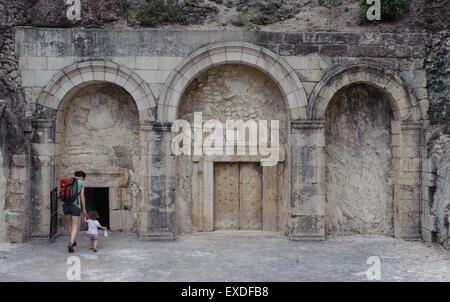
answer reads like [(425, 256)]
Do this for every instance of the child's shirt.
[(93, 226)]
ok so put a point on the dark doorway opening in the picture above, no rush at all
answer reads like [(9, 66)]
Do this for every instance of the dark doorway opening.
[(97, 199)]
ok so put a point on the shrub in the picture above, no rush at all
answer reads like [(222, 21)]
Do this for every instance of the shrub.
[(241, 19), (439, 87), (391, 10), (161, 11)]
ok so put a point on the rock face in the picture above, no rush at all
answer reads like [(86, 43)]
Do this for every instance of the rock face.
[(359, 167), (13, 201), (439, 155), (3, 181), (438, 77)]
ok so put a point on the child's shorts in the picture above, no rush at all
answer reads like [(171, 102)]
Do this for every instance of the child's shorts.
[(93, 236)]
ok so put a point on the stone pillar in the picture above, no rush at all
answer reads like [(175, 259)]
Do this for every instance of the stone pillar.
[(17, 201), (406, 151), (161, 171), (428, 191), (144, 179), (307, 168), (42, 175)]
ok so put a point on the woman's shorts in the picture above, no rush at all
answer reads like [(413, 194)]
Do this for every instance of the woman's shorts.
[(93, 236), (71, 209)]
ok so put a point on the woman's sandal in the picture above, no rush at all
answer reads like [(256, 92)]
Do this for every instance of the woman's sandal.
[(95, 250), (70, 247)]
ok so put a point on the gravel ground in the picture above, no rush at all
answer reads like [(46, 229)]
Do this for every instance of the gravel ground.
[(226, 257)]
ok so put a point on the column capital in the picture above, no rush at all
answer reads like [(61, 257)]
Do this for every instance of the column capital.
[(42, 123), (161, 126), (309, 124), (411, 125)]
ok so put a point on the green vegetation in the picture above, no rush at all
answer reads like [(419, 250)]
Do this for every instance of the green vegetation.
[(31, 22), (391, 10), (242, 19), (260, 13), (441, 86), (161, 11)]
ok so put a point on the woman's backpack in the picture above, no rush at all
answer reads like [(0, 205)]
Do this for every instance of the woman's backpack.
[(69, 190)]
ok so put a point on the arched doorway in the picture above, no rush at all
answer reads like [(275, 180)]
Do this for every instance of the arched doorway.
[(347, 104), (100, 83), (245, 195), (98, 132), (359, 175)]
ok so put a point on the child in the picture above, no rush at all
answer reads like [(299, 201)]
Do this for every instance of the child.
[(93, 226)]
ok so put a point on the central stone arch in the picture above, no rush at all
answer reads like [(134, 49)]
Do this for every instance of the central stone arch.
[(232, 53)]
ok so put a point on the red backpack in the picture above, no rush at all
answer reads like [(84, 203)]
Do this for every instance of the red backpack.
[(69, 190)]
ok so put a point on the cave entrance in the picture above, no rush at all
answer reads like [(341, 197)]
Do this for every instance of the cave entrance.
[(97, 199)]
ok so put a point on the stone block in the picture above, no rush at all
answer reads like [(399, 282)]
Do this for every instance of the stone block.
[(19, 160), (307, 228), (309, 205), (128, 221), (115, 220), (27, 77), (37, 63), (16, 224), (58, 63), (406, 191), (43, 77), (168, 63), (408, 178), (150, 63)]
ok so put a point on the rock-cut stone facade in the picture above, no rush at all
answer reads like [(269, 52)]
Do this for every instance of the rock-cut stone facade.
[(352, 107)]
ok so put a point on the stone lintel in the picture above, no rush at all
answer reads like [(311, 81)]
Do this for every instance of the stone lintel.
[(43, 123)]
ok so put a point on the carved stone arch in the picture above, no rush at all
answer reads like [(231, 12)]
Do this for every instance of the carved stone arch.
[(69, 81), (232, 53), (403, 102)]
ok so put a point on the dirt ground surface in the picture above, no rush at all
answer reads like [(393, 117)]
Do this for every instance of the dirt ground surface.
[(225, 256)]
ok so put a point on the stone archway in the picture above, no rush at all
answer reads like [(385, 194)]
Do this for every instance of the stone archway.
[(233, 192), (406, 125), (97, 131), (189, 69), (47, 143), (232, 53), (74, 77)]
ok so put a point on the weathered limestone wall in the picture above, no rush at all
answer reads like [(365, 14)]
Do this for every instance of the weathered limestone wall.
[(230, 92), (300, 63), (3, 181), (436, 204), (359, 176), (98, 133)]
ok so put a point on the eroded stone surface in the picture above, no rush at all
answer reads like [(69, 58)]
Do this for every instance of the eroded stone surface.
[(3, 181), (359, 182)]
